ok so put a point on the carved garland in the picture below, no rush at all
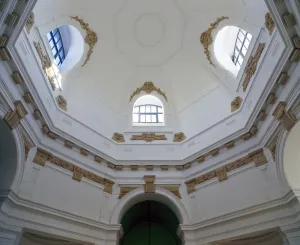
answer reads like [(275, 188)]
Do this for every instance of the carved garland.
[(148, 137), (90, 38), (119, 138), (206, 38), (269, 23), (148, 87)]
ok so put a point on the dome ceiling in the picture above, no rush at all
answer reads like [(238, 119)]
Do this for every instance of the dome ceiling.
[(139, 41)]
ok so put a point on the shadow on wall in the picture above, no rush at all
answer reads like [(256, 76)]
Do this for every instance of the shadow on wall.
[(8, 157)]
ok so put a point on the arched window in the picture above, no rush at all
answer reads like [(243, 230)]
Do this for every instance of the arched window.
[(57, 47), (230, 48), (148, 110)]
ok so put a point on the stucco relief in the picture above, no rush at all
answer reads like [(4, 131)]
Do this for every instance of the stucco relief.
[(148, 87), (269, 23), (148, 137)]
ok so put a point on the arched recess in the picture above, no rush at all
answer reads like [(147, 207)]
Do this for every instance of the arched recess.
[(161, 195), (13, 152), (291, 159)]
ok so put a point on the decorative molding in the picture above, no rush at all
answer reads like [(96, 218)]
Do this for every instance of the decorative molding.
[(43, 156), (119, 138), (27, 146), (148, 87), (61, 102), (45, 62), (269, 23), (13, 117), (30, 22), (236, 103), (172, 188), (206, 38), (258, 157), (149, 185), (286, 118), (126, 189), (179, 137), (251, 66), (148, 137), (90, 38)]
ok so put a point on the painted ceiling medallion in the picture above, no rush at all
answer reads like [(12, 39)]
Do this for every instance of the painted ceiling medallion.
[(206, 38), (119, 138), (148, 137), (269, 23), (90, 38), (148, 87), (179, 137)]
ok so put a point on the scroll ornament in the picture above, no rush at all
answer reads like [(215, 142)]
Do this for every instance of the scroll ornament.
[(148, 87), (269, 23), (148, 137), (206, 38), (90, 38)]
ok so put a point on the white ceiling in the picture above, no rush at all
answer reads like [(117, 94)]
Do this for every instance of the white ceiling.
[(143, 40)]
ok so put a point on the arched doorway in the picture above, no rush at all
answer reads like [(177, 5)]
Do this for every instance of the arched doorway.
[(150, 222)]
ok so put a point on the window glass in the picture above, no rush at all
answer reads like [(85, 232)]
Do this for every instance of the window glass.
[(148, 114), (56, 46)]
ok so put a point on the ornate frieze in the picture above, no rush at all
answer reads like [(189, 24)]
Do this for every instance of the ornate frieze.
[(148, 87), (229, 144), (84, 152), (271, 99), (164, 167), (289, 19), (251, 66), (27, 146), (258, 157), (108, 185), (200, 159), (13, 117), (126, 189), (134, 167), (269, 23), (172, 188), (179, 137), (236, 103), (149, 185), (41, 157), (30, 22), (61, 102), (28, 97), (148, 137), (283, 78), (90, 38), (16, 76), (119, 138), (286, 118), (262, 115), (69, 144), (206, 38)]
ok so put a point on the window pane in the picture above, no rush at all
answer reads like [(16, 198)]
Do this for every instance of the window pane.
[(153, 118), (142, 108), (153, 108), (238, 44), (135, 109), (246, 44), (143, 118), (56, 38), (241, 36), (242, 31), (240, 60), (160, 109), (148, 108), (49, 36), (148, 118), (57, 60), (135, 118), (59, 45), (249, 36), (244, 51), (238, 66), (51, 44), (160, 118)]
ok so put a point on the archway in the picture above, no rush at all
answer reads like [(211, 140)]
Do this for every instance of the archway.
[(149, 222), (291, 159), (8, 158)]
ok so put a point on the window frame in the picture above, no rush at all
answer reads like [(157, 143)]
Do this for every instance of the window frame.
[(238, 56), (54, 40), (145, 113)]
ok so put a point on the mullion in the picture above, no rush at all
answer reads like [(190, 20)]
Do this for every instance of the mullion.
[(145, 113)]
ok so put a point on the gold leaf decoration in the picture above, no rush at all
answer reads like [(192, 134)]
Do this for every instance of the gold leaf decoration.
[(90, 38), (148, 137), (206, 38), (119, 138), (148, 87), (236, 103), (269, 23), (179, 137)]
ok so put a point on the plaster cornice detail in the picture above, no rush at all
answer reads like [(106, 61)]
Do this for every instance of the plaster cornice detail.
[(148, 88), (90, 38), (206, 38), (148, 137), (269, 23)]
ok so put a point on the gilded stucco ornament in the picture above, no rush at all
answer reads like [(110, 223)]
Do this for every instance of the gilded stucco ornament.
[(119, 138), (90, 38), (269, 23), (236, 103), (61, 102), (148, 137), (179, 137), (206, 38), (148, 87), (30, 22)]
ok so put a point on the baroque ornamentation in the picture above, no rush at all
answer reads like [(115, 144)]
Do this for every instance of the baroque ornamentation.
[(61, 102), (148, 137), (30, 22), (179, 137), (148, 87), (90, 38), (27, 146), (172, 188), (206, 38), (119, 138), (236, 103), (258, 157), (286, 118), (126, 189), (149, 185), (13, 117), (250, 68), (269, 23)]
